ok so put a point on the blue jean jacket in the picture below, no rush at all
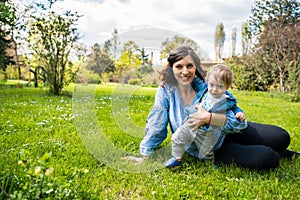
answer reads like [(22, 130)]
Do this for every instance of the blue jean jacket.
[(169, 109)]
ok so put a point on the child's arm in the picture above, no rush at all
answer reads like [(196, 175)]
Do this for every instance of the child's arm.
[(233, 124)]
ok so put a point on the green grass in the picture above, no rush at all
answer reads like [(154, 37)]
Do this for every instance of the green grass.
[(83, 138)]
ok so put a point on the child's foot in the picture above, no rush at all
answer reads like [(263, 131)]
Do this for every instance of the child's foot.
[(173, 162)]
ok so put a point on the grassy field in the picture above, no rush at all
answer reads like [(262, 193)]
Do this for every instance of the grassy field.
[(72, 148)]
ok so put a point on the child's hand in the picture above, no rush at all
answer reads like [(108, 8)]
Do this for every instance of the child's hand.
[(198, 106), (241, 116)]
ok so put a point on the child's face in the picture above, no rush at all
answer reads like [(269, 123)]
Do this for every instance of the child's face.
[(215, 87)]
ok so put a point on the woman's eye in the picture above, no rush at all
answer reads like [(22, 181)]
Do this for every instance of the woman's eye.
[(178, 66), (189, 66)]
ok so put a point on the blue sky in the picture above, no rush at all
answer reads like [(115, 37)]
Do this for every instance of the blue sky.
[(195, 19)]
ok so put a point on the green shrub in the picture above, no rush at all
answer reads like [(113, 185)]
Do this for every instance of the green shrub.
[(135, 81), (93, 78), (2, 76)]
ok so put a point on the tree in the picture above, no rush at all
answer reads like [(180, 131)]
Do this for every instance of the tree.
[(233, 41), (115, 42), (99, 61), (171, 44), (52, 37), (146, 64), (246, 38), (128, 62), (276, 26), (278, 44), (17, 30), (264, 11), (39, 73), (7, 18), (219, 40)]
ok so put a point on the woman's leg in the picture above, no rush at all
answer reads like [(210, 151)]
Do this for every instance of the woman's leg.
[(257, 147), (257, 157), (262, 134)]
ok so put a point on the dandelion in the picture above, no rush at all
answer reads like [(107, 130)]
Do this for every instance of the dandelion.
[(20, 162), (37, 170), (49, 171), (86, 171)]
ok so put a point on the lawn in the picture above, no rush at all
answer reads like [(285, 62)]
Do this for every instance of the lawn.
[(63, 147)]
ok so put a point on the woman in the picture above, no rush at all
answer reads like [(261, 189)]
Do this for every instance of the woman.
[(258, 146)]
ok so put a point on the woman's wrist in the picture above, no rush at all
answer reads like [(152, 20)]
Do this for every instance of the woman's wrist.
[(209, 119), (218, 119)]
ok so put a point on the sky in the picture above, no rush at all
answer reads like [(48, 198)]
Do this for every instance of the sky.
[(153, 21)]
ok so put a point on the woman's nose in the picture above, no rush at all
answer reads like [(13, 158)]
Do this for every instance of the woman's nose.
[(185, 69)]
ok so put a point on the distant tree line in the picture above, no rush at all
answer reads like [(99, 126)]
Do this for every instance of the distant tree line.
[(269, 58)]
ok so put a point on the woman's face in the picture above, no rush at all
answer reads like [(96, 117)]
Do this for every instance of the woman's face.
[(184, 70)]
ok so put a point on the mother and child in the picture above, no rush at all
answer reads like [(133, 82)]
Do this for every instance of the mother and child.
[(205, 120)]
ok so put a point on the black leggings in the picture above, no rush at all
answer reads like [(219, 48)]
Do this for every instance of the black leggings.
[(257, 147)]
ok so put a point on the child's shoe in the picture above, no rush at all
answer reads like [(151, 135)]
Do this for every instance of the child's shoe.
[(173, 162)]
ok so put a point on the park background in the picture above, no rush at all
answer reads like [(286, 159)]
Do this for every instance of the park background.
[(44, 63)]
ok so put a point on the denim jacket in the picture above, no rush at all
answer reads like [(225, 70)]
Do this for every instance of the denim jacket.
[(169, 109)]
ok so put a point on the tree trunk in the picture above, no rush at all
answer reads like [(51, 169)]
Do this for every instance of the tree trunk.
[(35, 78), (15, 47), (281, 81)]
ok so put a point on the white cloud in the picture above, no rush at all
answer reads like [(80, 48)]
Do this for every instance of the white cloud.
[(195, 19)]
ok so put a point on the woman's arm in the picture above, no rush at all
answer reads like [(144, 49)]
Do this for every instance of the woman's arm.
[(203, 117), (156, 130), (156, 124)]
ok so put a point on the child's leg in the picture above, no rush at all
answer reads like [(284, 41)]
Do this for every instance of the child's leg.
[(180, 138), (204, 142)]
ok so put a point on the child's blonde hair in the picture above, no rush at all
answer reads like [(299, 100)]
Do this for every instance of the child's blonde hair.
[(221, 73)]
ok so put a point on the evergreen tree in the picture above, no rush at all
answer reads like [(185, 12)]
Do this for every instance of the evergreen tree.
[(233, 41), (7, 18), (219, 40), (99, 60)]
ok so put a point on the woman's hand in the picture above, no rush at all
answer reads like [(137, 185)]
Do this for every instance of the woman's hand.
[(136, 160), (200, 118)]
